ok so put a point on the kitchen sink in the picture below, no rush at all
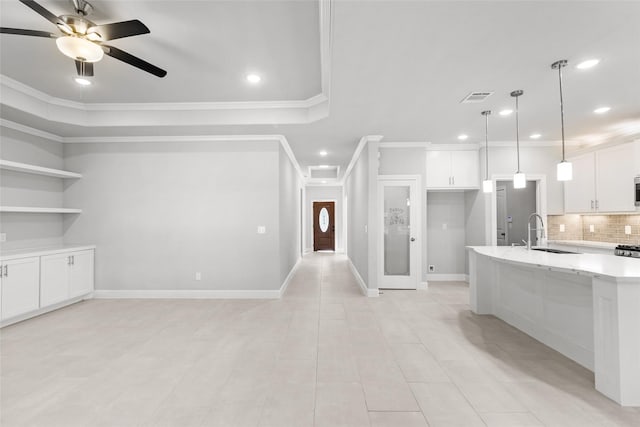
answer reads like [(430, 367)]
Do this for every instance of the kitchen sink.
[(553, 251)]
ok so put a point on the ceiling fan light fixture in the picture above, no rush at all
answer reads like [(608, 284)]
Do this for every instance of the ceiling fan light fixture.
[(94, 36), (79, 49)]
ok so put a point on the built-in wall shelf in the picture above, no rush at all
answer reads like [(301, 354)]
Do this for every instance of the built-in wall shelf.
[(28, 209), (37, 170)]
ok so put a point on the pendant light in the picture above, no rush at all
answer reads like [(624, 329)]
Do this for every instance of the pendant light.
[(487, 184), (564, 169), (519, 178)]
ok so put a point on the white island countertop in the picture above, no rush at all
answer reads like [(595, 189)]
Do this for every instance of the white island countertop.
[(622, 269)]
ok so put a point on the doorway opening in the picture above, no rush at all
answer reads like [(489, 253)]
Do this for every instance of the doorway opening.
[(324, 229), (510, 209)]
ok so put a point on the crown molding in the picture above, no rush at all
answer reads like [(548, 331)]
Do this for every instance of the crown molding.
[(356, 154), (30, 131)]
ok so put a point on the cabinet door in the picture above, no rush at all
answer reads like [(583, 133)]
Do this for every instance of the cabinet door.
[(465, 169), (81, 280), (580, 192), (20, 286), (616, 168), (438, 169), (54, 283)]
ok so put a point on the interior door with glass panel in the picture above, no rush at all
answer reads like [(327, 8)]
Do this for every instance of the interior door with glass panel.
[(399, 245)]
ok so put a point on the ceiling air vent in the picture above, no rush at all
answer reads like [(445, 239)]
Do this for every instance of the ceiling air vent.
[(474, 97)]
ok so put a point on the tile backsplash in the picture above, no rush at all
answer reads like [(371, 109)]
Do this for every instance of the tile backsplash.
[(606, 228)]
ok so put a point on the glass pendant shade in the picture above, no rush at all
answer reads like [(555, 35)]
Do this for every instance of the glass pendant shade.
[(79, 49), (519, 180), (487, 186), (565, 171)]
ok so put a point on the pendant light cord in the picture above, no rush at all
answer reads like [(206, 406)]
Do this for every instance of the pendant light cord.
[(517, 135), (561, 109), (486, 142)]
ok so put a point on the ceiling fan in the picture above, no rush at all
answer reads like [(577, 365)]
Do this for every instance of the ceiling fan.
[(82, 40)]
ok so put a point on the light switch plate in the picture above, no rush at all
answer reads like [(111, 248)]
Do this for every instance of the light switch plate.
[(592, 228), (198, 275), (262, 229), (3, 237), (444, 225), (562, 228), (627, 229)]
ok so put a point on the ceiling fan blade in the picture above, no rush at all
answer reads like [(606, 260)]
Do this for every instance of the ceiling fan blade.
[(42, 11), (118, 30), (22, 32), (84, 69), (132, 60)]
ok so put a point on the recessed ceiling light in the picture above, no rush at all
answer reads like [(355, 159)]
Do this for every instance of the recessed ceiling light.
[(82, 81), (323, 166), (588, 64), (253, 78), (323, 153), (601, 110), (323, 182), (535, 136), (505, 112), (462, 137)]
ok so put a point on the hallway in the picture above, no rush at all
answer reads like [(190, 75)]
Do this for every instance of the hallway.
[(323, 355)]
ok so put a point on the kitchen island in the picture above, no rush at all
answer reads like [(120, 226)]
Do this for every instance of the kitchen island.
[(586, 306)]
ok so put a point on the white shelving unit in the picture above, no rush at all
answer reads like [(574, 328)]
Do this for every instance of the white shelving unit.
[(37, 170), (29, 209)]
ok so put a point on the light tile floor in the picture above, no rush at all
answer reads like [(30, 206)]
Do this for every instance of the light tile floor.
[(323, 355)]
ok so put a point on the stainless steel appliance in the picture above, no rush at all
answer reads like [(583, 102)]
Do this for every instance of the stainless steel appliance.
[(636, 187), (628, 251)]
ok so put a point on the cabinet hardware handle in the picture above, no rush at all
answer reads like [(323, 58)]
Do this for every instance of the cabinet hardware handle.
[(592, 204), (597, 204), (6, 270), (453, 180), (73, 259), (69, 260)]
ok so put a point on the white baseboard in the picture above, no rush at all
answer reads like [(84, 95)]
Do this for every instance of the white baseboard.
[(363, 286), (447, 277), (186, 294), (287, 280)]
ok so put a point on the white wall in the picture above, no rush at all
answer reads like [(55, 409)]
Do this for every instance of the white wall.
[(356, 189), (317, 194), (289, 214), (21, 189), (159, 212), (446, 228)]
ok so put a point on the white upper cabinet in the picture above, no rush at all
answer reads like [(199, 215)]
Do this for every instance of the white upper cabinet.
[(616, 168), (452, 169), (580, 192), (603, 180)]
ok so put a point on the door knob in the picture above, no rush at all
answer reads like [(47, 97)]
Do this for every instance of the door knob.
[(413, 239)]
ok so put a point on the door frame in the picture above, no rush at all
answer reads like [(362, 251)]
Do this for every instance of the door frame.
[(313, 221), (416, 250), (541, 202)]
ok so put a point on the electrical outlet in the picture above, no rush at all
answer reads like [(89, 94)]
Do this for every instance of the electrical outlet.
[(198, 275), (432, 268), (627, 229), (3, 237), (444, 225), (592, 228), (262, 229), (562, 228)]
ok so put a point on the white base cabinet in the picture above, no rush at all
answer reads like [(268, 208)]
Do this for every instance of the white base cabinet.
[(20, 285), (36, 284)]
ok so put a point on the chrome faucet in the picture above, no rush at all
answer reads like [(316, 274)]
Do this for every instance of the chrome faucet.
[(529, 229)]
